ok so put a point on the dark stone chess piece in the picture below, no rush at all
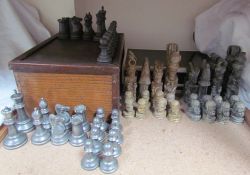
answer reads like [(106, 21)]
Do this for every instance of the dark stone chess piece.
[(108, 163), (13, 139), (59, 133), (40, 136), (45, 112), (88, 30), (78, 136), (23, 123), (101, 26), (90, 160), (63, 112), (204, 81), (104, 56), (75, 28), (64, 29)]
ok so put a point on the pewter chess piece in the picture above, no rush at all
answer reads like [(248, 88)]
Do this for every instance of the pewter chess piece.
[(159, 105), (13, 139), (115, 124), (204, 81), (108, 163), (131, 78), (75, 28), (63, 112), (40, 136), (224, 115), (129, 111), (45, 113), (78, 136), (157, 78), (97, 134), (234, 99), (100, 114), (145, 79), (141, 108), (88, 33), (59, 133), (23, 122), (100, 22), (81, 110), (209, 112), (90, 160), (174, 114), (64, 30), (194, 110), (238, 113), (115, 136), (171, 79)]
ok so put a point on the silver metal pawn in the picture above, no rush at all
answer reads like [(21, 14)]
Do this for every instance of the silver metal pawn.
[(43, 104)]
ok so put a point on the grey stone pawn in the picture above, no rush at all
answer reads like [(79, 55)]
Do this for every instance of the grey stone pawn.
[(23, 122), (90, 160), (13, 139), (81, 110), (40, 136), (59, 133), (104, 56), (108, 163), (78, 136), (43, 104)]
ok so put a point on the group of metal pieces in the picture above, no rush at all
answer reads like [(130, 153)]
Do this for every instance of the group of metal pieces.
[(163, 103), (100, 139), (71, 28), (211, 91)]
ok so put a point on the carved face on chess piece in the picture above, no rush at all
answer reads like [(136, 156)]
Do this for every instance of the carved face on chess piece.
[(129, 108), (225, 112), (209, 111), (141, 108), (145, 79), (194, 111), (238, 113)]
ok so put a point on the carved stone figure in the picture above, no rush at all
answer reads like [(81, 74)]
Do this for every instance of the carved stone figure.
[(157, 78), (100, 22), (171, 48), (141, 108), (224, 114), (234, 99), (218, 101), (146, 96), (81, 110), (192, 97), (75, 28), (171, 80), (88, 30), (129, 105), (159, 105), (238, 113), (145, 79), (174, 113), (204, 81), (194, 110), (209, 112), (131, 79)]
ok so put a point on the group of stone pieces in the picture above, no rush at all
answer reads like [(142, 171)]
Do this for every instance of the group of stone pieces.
[(213, 109), (216, 76), (71, 28), (108, 44), (163, 102), (104, 144)]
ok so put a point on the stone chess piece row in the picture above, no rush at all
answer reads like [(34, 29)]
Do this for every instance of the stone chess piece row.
[(213, 109), (216, 75), (71, 28), (108, 44)]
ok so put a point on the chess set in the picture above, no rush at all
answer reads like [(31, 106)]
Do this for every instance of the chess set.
[(210, 91), (101, 140)]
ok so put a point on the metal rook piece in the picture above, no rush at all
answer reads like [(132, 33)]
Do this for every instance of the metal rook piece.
[(41, 135), (23, 123), (14, 139)]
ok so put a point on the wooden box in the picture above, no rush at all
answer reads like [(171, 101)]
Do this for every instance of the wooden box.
[(66, 72)]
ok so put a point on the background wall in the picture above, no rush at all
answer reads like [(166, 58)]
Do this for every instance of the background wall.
[(150, 24), (50, 11)]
